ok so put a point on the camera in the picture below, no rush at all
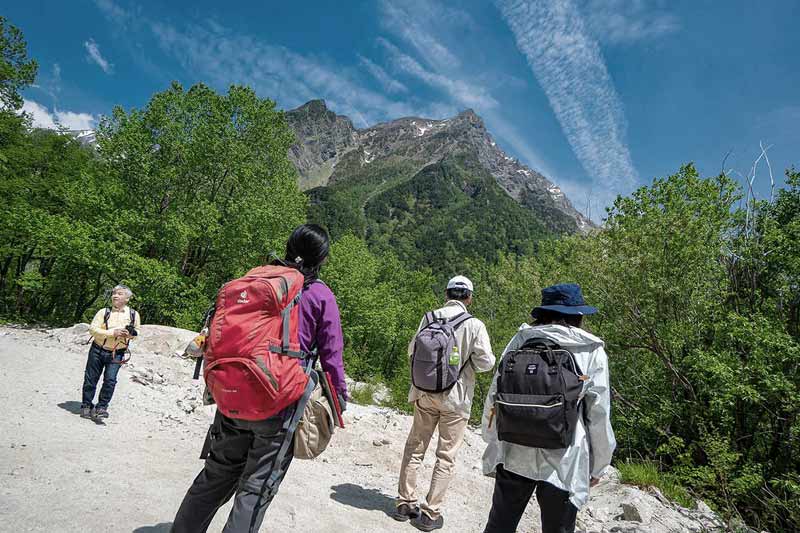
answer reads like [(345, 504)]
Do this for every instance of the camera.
[(131, 330)]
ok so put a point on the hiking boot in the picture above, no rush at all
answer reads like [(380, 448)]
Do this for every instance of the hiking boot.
[(86, 412), (100, 413), (404, 511), (425, 523)]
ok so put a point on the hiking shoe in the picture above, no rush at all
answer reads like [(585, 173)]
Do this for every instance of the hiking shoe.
[(100, 413), (425, 523), (86, 412), (404, 511)]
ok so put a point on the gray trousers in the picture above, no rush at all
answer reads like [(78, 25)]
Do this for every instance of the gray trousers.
[(241, 458)]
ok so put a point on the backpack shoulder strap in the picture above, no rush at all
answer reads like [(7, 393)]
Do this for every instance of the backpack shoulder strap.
[(459, 319), (573, 361), (430, 318), (106, 316), (133, 317)]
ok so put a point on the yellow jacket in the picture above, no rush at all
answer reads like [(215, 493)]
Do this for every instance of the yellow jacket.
[(104, 336)]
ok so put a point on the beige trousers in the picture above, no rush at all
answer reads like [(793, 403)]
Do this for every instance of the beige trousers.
[(428, 415)]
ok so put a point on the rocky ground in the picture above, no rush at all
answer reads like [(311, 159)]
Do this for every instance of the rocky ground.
[(62, 473)]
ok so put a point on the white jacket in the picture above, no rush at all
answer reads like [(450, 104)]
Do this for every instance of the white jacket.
[(590, 452)]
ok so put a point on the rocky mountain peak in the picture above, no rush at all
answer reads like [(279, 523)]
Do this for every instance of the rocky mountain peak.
[(469, 116), (322, 138), (325, 138), (313, 107)]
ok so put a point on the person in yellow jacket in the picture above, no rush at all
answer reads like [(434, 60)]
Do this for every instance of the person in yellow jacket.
[(112, 330)]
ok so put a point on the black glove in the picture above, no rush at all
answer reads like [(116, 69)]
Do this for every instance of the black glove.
[(342, 402)]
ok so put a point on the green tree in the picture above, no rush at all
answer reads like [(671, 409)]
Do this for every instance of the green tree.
[(51, 224), (381, 304), (696, 309), (180, 196), (16, 70), (205, 191)]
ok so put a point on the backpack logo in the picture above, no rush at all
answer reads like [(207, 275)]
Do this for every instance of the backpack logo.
[(531, 368), (242, 298)]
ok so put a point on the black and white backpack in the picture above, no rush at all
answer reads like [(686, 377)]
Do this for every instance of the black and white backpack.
[(538, 391)]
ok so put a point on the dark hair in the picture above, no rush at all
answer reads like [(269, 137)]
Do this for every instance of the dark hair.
[(543, 316), (306, 249), (458, 293)]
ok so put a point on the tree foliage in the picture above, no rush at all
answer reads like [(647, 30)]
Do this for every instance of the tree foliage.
[(699, 311), (381, 302), (16, 70), (181, 196)]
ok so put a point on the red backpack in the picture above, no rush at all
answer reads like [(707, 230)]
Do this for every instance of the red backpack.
[(253, 352)]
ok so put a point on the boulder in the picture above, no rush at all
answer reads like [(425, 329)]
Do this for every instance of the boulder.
[(159, 340)]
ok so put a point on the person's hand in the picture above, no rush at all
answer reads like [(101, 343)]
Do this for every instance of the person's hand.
[(594, 481), (121, 332)]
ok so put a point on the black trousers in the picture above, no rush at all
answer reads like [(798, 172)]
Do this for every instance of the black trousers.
[(511, 495), (241, 458)]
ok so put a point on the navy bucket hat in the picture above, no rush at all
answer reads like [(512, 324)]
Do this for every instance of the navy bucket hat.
[(565, 298)]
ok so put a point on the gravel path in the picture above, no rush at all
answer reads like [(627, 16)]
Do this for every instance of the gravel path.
[(62, 473)]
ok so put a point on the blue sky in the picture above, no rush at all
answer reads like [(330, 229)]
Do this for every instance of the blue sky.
[(599, 95)]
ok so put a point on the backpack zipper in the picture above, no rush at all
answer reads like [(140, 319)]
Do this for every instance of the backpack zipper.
[(270, 377), (530, 404), (283, 281)]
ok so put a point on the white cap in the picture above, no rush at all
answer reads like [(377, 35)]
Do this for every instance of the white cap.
[(460, 282)]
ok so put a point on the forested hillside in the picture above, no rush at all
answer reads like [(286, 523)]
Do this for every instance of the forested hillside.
[(346, 167), (698, 289)]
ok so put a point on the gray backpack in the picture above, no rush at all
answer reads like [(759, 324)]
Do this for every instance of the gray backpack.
[(431, 368)]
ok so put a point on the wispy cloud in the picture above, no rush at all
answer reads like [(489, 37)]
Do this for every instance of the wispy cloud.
[(388, 83), (50, 82), (41, 117), (629, 21), (413, 22), (568, 64), (55, 84), (465, 93), (214, 53), (278, 72), (220, 56), (94, 55), (422, 25), (113, 12)]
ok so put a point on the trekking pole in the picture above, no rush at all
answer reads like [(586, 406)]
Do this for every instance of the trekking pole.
[(197, 365), (196, 346)]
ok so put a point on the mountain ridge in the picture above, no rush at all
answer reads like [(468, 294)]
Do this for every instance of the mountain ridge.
[(326, 139)]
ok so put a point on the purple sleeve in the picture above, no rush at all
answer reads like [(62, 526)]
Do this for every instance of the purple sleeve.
[(320, 326)]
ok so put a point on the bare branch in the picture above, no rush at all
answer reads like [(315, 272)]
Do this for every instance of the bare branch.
[(771, 178), (724, 159)]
